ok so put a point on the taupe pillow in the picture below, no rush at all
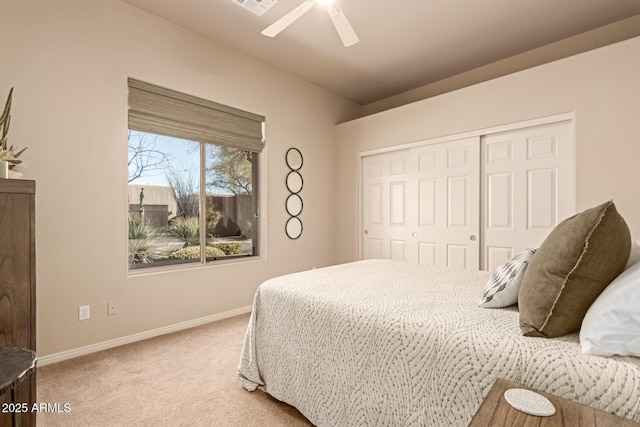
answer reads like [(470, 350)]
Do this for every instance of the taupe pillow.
[(578, 259)]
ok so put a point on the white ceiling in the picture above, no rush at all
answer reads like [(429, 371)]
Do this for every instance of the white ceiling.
[(404, 44)]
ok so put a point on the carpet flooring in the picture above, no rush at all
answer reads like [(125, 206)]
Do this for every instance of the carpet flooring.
[(187, 378)]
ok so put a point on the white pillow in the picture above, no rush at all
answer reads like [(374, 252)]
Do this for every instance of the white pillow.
[(502, 288), (612, 323), (634, 255)]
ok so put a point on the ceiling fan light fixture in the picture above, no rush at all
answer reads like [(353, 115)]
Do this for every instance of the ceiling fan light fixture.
[(340, 21)]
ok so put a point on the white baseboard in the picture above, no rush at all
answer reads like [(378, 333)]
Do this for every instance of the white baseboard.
[(81, 351)]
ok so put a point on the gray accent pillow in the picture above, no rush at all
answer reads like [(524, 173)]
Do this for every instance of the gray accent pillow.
[(574, 264), (502, 288)]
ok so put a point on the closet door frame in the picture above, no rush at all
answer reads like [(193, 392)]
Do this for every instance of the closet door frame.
[(570, 173)]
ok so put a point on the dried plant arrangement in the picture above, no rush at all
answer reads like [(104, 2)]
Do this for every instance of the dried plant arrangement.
[(8, 153)]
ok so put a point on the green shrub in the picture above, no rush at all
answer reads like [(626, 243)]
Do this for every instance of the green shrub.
[(193, 252), (145, 240), (185, 229), (228, 248), (140, 227)]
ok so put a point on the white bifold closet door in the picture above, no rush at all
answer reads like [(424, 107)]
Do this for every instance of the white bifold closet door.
[(528, 187), (423, 204), (469, 203)]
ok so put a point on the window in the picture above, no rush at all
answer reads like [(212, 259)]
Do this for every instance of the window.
[(193, 179)]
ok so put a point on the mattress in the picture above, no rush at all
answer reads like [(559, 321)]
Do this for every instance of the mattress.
[(380, 343)]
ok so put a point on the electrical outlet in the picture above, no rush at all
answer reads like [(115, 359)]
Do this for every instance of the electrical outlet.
[(112, 308), (84, 312)]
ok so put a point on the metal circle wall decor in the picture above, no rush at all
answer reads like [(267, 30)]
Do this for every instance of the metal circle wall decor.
[(294, 204), (294, 182), (294, 159), (294, 227)]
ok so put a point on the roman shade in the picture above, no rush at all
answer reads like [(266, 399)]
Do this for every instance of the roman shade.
[(162, 111)]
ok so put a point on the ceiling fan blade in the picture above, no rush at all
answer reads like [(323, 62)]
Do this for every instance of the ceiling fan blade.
[(344, 28), (288, 19)]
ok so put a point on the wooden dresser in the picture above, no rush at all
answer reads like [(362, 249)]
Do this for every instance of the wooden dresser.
[(18, 280)]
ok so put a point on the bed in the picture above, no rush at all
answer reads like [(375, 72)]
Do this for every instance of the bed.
[(381, 342)]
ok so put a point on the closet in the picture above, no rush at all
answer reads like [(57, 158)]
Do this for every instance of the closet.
[(470, 202)]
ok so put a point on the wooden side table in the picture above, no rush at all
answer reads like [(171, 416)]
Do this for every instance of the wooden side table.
[(16, 364), (495, 411)]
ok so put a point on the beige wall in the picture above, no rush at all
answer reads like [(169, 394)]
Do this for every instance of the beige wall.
[(69, 61), (602, 88)]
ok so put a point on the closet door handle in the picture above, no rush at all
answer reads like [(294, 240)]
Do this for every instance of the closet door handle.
[(366, 231), (472, 237)]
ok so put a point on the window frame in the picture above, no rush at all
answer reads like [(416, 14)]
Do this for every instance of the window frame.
[(259, 170), (261, 246)]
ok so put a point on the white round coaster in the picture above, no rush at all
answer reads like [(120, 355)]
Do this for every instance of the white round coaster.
[(529, 402)]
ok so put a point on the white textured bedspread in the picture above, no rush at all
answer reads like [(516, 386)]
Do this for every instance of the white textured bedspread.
[(386, 343)]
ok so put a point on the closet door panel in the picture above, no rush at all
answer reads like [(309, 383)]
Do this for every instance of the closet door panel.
[(427, 202), (542, 189), (427, 253), (500, 201), (448, 203), (496, 255), (458, 257), (387, 206), (528, 187)]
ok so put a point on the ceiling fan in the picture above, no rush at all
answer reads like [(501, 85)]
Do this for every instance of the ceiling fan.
[(340, 21)]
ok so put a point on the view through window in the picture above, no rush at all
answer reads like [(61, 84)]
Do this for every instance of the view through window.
[(189, 202)]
